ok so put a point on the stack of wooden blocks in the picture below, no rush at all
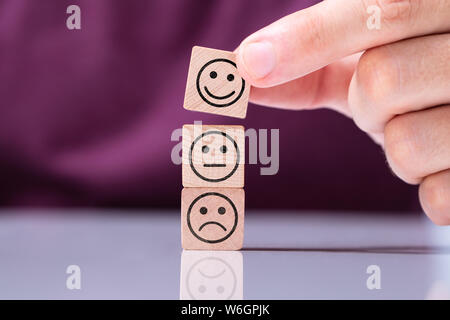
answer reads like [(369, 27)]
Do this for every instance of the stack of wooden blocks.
[(212, 201)]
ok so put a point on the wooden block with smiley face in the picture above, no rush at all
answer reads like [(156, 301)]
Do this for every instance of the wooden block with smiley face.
[(214, 84), (213, 156), (212, 218)]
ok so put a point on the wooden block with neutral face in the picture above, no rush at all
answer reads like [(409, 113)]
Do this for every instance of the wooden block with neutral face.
[(211, 275), (214, 84), (212, 218), (213, 156)]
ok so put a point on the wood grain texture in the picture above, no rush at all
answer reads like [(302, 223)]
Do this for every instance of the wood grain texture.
[(212, 218), (214, 84), (211, 275), (213, 156)]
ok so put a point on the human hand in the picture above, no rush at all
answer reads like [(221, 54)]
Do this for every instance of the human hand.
[(398, 90)]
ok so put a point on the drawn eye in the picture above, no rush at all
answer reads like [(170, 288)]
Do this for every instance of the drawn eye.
[(230, 77), (223, 149), (205, 149), (201, 289), (220, 289), (213, 74), (203, 210), (221, 210)]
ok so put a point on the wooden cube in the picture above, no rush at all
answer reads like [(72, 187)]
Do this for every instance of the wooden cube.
[(214, 84), (212, 218), (211, 275), (213, 156)]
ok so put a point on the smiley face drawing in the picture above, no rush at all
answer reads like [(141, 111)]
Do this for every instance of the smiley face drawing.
[(212, 150), (214, 84), (211, 278), (212, 217), (219, 84)]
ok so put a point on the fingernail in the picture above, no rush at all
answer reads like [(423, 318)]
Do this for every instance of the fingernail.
[(259, 59)]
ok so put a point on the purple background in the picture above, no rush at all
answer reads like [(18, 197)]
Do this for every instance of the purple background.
[(86, 116)]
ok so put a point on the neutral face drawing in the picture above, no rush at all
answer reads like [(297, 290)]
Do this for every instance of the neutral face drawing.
[(212, 217), (219, 84), (212, 150), (211, 278)]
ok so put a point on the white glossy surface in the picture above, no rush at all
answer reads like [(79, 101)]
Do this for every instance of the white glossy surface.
[(303, 255)]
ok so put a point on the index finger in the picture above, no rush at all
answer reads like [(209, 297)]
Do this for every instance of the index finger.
[(310, 39)]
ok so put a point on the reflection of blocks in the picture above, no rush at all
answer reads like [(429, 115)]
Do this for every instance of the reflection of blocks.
[(212, 218), (213, 156), (214, 84), (211, 275)]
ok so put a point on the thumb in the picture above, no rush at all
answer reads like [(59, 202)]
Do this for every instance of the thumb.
[(312, 38)]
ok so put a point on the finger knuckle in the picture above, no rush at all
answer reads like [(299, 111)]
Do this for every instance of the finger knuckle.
[(401, 148), (378, 76), (435, 201), (375, 81)]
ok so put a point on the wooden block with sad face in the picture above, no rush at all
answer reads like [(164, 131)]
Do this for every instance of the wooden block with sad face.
[(214, 84), (213, 156), (212, 218)]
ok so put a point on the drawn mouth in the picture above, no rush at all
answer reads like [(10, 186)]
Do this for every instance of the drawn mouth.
[(217, 97), (211, 277), (212, 222), (214, 165)]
